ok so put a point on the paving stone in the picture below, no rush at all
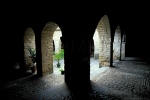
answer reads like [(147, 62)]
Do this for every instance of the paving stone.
[(127, 80)]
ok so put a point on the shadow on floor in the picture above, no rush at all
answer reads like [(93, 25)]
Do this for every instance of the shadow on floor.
[(14, 74)]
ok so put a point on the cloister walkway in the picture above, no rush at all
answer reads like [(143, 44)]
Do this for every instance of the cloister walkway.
[(129, 79)]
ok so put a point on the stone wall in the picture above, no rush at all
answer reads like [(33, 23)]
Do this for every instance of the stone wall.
[(47, 47), (105, 39), (47, 37), (123, 44), (116, 44), (29, 40), (102, 40)]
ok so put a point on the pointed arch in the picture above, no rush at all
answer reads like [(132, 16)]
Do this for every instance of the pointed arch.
[(47, 47), (104, 32)]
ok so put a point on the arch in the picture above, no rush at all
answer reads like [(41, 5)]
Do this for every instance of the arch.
[(47, 47), (29, 40), (117, 44), (103, 29)]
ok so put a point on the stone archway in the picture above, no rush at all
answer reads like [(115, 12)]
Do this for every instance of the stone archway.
[(47, 47), (29, 40), (103, 29), (117, 44)]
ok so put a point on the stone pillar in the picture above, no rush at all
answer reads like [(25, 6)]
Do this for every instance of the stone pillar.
[(77, 63), (111, 54), (22, 63), (122, 50), (47, 53), (123, 47), (29, 40), (116, 51), (38, 52), (104, 53)]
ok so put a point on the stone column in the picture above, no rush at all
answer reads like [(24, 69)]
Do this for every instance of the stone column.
[(77, 63), (122, 50), (29, 40), (123, 47), (111, 54), (38, 52), (21, 54), (104, 54)]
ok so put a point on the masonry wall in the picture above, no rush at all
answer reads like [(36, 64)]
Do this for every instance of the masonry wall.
[(29, 41), (117, 45), (105, 39), (47, 47), (12, 25)]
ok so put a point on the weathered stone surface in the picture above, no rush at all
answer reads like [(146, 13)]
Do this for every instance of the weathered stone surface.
[(47, 47), (117, 44), (103, 37), (29, 40)]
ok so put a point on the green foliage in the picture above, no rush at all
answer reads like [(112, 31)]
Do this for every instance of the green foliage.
[(32, 53), (61, 69), (60, 55)]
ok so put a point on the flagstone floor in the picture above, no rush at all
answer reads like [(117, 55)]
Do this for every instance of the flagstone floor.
[(129, 79)]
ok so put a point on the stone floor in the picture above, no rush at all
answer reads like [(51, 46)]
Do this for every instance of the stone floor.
[(94, 67), (127, 80)]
